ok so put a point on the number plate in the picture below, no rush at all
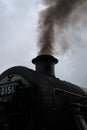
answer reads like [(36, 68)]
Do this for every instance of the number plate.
[(6, 90)]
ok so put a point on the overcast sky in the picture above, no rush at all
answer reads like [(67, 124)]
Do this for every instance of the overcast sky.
[(19, 34)]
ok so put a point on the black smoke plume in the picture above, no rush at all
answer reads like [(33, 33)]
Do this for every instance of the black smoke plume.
[(56, 14)]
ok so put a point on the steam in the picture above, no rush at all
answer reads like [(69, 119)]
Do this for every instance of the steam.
[(55, 15)]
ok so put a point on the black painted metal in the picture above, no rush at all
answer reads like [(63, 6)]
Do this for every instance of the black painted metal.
[(45, 64)]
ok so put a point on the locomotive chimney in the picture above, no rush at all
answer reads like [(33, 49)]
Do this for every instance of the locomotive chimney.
[(45, 64)]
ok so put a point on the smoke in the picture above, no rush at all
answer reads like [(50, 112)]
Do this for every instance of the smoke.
[(55, 15)]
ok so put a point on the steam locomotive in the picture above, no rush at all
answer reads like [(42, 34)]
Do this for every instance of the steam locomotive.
[(31, 100)]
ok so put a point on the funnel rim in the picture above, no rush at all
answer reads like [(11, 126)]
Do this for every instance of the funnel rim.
[(48, 58)]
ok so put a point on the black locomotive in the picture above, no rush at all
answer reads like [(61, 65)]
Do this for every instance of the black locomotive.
[(31, 100)]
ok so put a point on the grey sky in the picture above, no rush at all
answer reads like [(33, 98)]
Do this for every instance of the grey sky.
[(18, 39), (17, 31)]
